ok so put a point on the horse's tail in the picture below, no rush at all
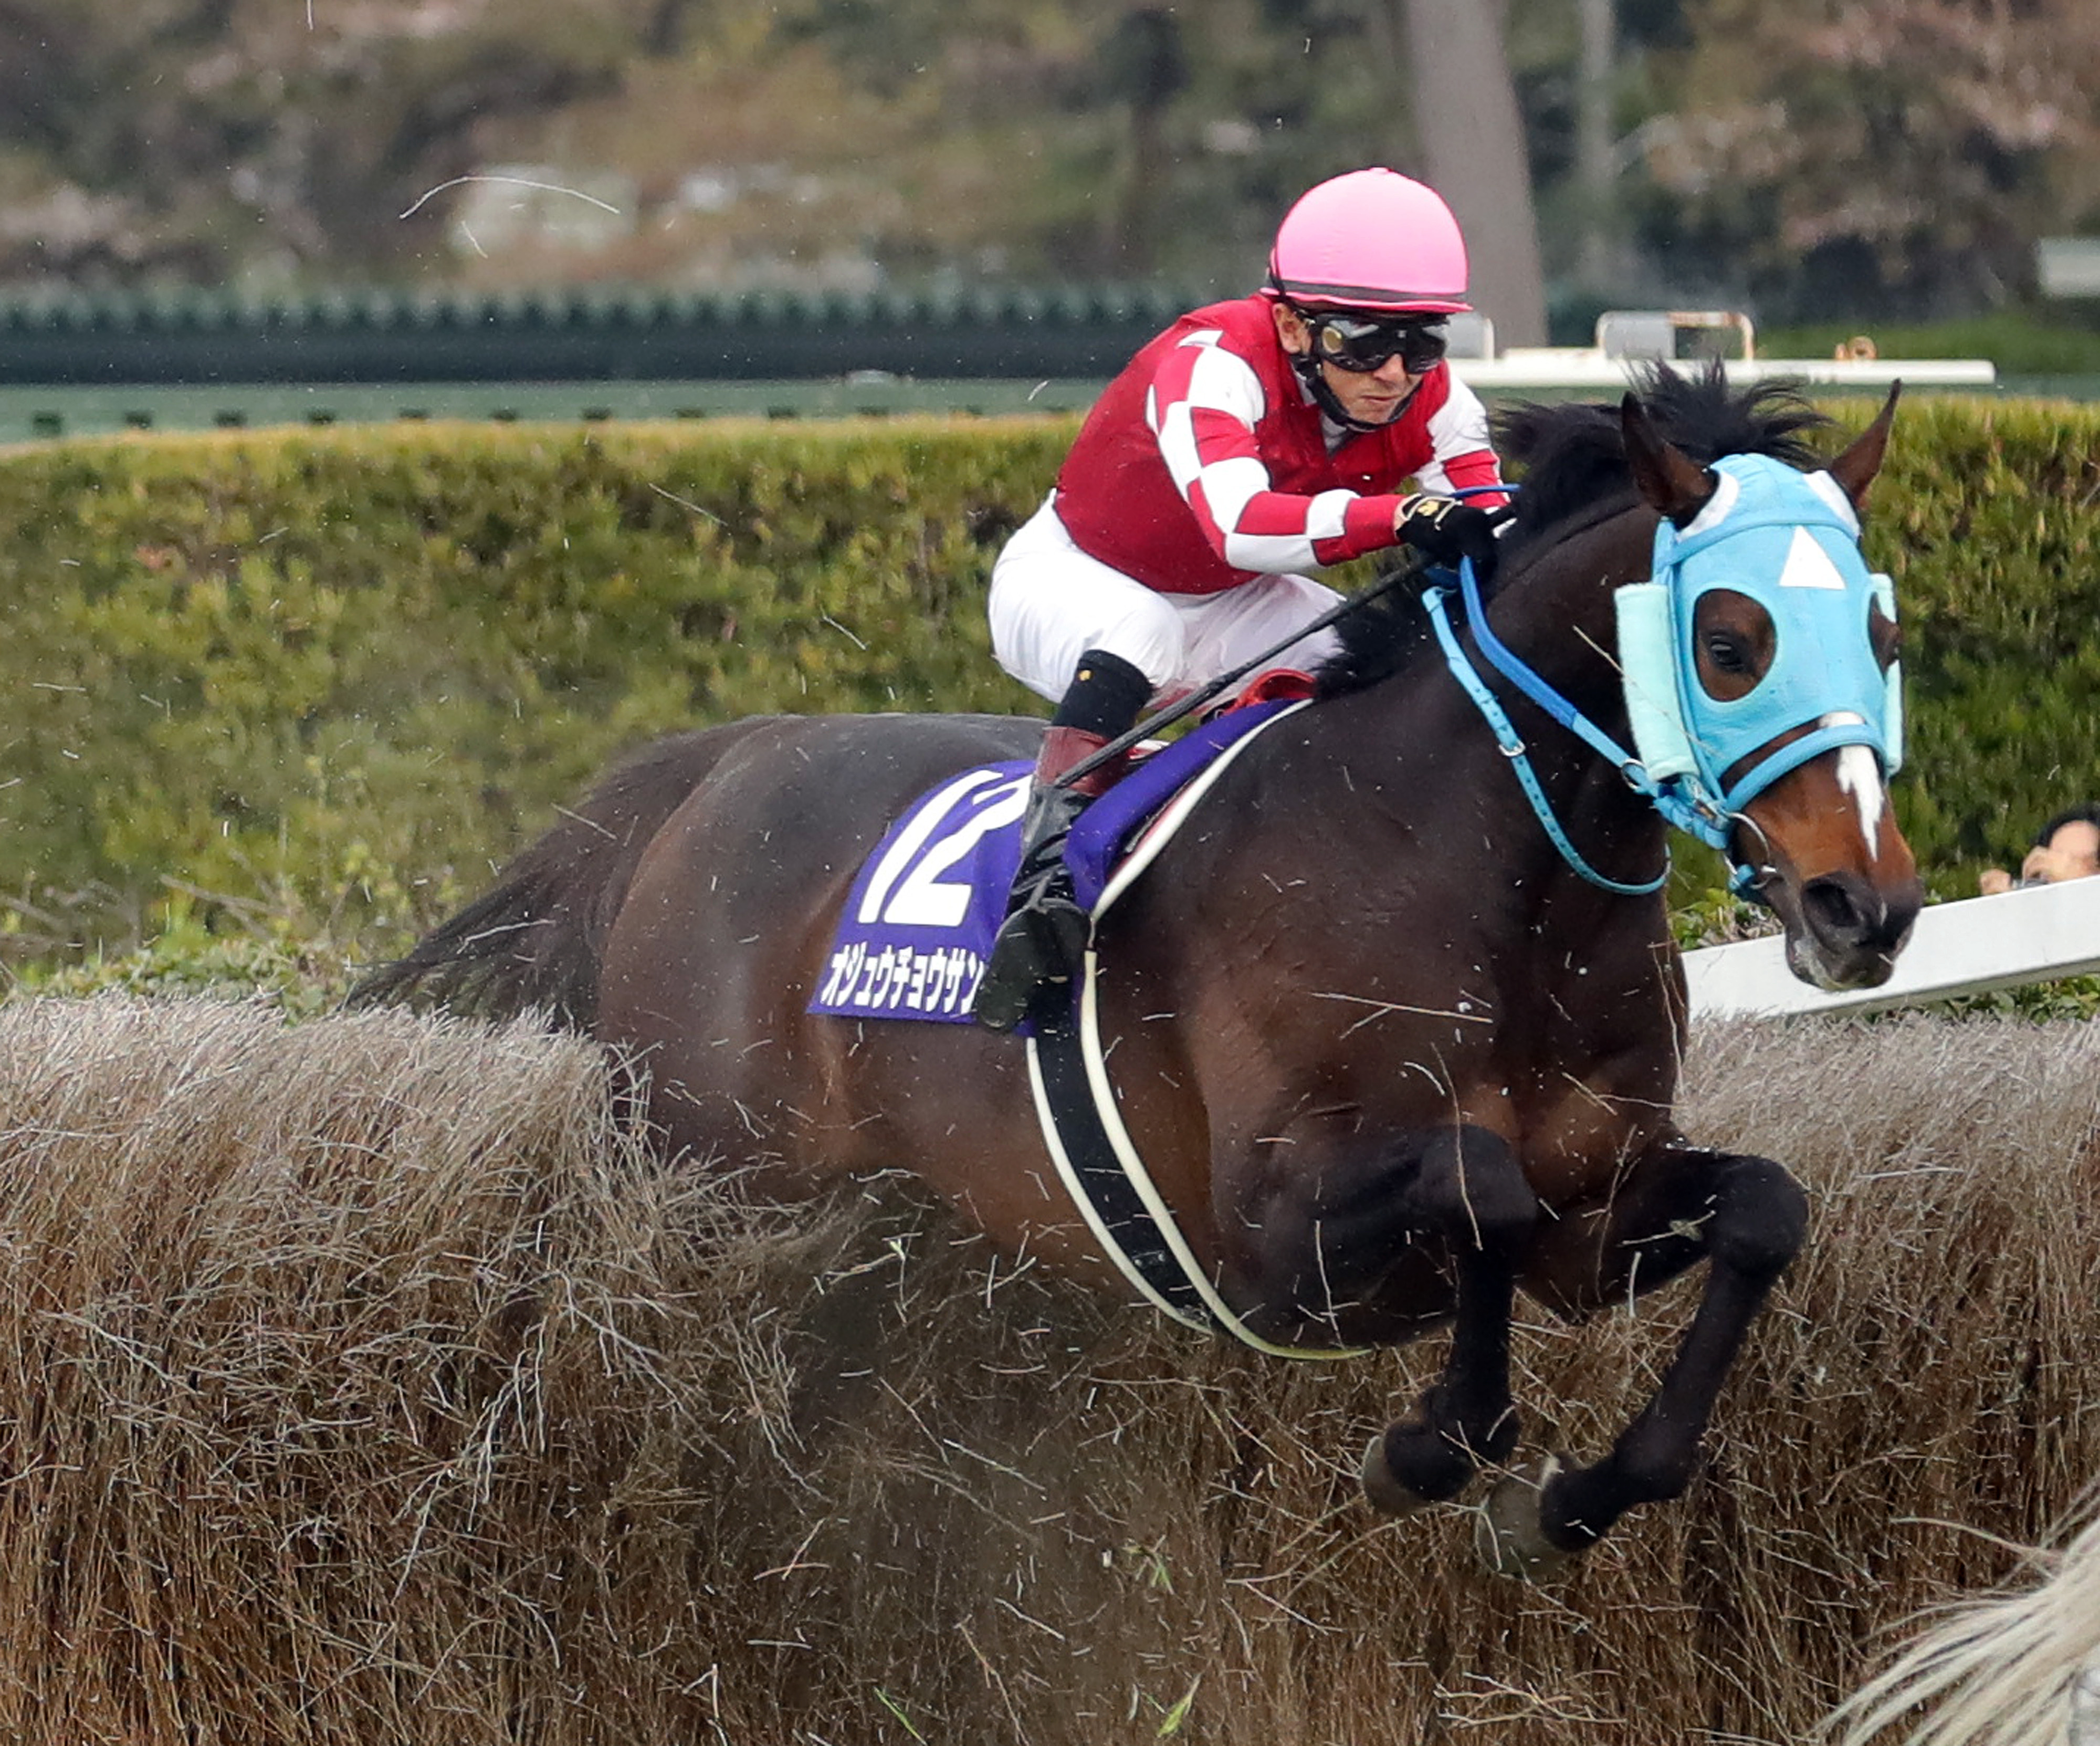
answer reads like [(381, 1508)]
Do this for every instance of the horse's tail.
[(534, 941), (2020, 1668)]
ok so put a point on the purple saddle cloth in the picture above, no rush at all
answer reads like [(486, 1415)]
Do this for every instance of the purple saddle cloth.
[(916, 928)]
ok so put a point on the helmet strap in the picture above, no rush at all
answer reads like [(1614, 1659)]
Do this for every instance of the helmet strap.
[(1325, 398)]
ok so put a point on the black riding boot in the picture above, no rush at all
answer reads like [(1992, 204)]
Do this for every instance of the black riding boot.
[(1040, 943)]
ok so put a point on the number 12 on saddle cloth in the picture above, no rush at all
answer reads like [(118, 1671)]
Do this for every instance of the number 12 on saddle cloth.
[(918, 925)]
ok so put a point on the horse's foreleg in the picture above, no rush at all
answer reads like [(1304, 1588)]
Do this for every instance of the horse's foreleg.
[(1469, 1195), (1748, 1219)]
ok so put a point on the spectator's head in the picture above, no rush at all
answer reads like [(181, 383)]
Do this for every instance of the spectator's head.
[(2066, 848)]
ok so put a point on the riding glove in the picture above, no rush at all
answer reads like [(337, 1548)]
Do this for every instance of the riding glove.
[(1443, 530)]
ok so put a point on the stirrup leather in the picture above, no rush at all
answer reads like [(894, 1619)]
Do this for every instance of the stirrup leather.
[(1041, 942)]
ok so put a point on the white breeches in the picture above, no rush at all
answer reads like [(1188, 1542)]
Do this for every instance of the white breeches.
[(1051, 603)]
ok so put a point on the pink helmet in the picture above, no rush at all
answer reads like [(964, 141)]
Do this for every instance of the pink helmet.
[(1371, 239)]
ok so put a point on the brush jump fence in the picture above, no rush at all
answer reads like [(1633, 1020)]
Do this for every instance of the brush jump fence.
[(369, 1380)]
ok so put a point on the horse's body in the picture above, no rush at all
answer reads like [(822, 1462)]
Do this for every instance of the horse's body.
[(1386, 1055)]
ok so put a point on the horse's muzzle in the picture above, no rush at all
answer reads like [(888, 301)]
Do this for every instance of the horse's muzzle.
[(1849, 930)]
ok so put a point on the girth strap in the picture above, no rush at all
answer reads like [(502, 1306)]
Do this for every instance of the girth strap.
[(1113, 1190), (1083, 1129)]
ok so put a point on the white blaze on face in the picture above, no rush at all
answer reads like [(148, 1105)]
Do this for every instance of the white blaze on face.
[(1860, 775)]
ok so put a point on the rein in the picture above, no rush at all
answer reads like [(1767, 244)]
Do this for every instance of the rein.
[(1409, 572), (1686, 816), (1691, 811), (1506, 663)]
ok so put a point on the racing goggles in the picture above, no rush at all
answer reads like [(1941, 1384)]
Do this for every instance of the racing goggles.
[(1360, 344)]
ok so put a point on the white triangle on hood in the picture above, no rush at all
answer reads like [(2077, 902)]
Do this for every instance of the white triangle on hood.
[(1808, 565)]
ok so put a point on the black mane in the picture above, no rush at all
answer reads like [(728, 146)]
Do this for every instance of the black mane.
[(1570, 460)]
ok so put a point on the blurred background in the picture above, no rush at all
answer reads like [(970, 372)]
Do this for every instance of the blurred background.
[(1832, 162)]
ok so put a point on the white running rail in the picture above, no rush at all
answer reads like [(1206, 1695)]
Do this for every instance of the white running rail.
[(1971, 947)]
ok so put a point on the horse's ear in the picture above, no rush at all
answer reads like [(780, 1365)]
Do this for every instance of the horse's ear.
[(1855, 469), (1669, 479)]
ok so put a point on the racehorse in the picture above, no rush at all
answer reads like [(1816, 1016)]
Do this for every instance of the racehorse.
[(1390, 1047), (2017, 1669)]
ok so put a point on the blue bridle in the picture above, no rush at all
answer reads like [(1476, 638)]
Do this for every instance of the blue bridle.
[(1788, 541)]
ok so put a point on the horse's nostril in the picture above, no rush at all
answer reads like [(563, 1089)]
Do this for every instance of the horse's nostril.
[(1834, 911)]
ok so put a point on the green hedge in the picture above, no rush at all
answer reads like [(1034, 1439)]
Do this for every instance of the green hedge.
[(1990, 523), (364, 664), (2020, 343), (337, 674)]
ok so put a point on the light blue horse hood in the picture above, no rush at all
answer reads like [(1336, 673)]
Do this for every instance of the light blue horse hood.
[(1790, 542)]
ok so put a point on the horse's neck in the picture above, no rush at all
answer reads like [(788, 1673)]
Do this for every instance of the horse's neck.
[(1556, 611)]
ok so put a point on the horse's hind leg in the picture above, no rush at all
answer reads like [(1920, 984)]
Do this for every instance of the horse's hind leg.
[(1748, 1219), (1470, 1192)]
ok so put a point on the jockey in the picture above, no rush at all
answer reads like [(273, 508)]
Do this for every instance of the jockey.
[(1255, 438)]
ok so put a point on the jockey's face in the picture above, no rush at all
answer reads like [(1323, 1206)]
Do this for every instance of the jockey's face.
[(1368, 397)]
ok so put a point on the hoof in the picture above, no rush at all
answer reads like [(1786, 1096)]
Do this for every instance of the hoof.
[(1411, 1464), (1382, 1490), (1508, 1537)]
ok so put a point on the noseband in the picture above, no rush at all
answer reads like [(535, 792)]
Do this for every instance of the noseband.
[(1789, 542)]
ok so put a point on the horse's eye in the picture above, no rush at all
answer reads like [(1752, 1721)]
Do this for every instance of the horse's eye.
[(1727, 653), (1735, 641), (1886, 636)]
